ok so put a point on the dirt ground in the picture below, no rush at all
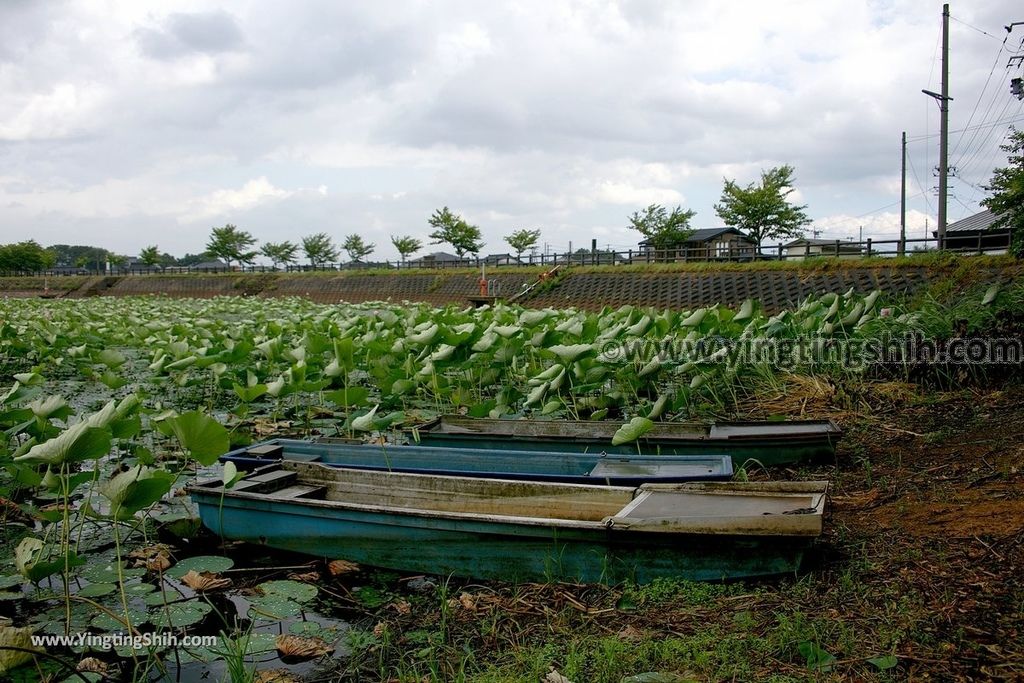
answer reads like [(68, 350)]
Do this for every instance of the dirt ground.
[(934, 493), (921, 565)]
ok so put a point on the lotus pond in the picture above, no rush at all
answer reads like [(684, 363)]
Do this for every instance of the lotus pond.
[(111, 405)]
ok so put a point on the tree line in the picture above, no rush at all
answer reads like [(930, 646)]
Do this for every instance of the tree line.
[(762, 210)]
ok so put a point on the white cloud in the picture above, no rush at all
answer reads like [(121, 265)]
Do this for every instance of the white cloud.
[(223, 203), (565, 116)]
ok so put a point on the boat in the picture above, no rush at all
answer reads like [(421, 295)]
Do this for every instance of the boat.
[(519, 530), (768, 443), (569, 467)]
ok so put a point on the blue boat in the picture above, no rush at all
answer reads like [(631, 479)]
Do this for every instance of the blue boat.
[(766, 443), (569, 467), (520, 530)]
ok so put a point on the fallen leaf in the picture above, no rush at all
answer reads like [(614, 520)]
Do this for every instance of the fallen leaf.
[(11, 637), (555, 677), (467, 601), (204, 581), (92, 665), (300, 647), (339, 567), (631, 634), (154, 557), (274, 676)]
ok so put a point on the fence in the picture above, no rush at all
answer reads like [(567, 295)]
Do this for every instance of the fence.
[(984, 242)]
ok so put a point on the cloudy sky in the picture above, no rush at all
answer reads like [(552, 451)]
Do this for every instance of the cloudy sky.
[(127, 123)]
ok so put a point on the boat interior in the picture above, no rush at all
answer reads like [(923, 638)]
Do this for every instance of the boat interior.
[(650, 506)]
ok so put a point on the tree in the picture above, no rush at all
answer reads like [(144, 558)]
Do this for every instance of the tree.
[(79, 255), (150, 256), (521, 240), (663, 230), (762, 210), (192, 259), (231, 244), (357, 249), (319, 249), (25, 257), (1007, 188), (406, 246), (450, 228), (280, 252)]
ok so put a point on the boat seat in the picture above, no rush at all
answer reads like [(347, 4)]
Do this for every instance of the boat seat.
[(613, 467), (299, 491), (268, 481), (304, 457)]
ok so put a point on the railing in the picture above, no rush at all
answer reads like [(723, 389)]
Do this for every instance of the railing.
[(986, 242)]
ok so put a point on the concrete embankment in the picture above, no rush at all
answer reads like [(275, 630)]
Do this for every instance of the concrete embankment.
[(777, 286)]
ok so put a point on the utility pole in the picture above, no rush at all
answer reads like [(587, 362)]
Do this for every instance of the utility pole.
[(903, 198), (944, 128), (943, 99)]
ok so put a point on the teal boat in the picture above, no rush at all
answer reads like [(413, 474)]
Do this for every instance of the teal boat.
[(520, 530), (564, 466), (769, 443)]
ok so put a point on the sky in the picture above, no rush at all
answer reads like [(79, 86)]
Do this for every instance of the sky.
[(125, 124)]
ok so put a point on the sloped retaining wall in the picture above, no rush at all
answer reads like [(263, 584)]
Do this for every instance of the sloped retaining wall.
[(775, 289)]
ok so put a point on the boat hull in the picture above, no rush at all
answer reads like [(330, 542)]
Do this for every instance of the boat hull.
[(768, 443), (534, 465), (520, 530), (506, 552)]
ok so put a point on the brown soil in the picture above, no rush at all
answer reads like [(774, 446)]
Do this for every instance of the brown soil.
[(923, 558)]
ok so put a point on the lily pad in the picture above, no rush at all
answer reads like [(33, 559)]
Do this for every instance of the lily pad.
[(10, 581), (632, 431), (106, 572), (105, 622), (274, 608), (95, 590), (292, 590), (180, 614), (200, 563)]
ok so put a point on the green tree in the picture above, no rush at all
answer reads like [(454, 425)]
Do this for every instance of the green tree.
[(192, 259), (25, 257), (522, 240), (79, 255), (231, 244), (356, 248), (150, 256), (406, 245), (663, 229), (280, 252), (319, 249), (1007, 188), (762, 210), (450, 228)]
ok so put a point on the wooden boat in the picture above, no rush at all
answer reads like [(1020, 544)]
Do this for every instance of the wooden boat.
[(769, 443), (520, 530), (582, 468)]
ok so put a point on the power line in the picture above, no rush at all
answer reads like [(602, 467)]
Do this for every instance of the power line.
[(981, 96), (991, 124), (982, 31)]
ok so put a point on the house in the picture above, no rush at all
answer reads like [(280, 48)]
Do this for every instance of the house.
[(438, 259), (502, 260), (975, 233), (808, 247), (210, 266), (134, 265), (707, 244)]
